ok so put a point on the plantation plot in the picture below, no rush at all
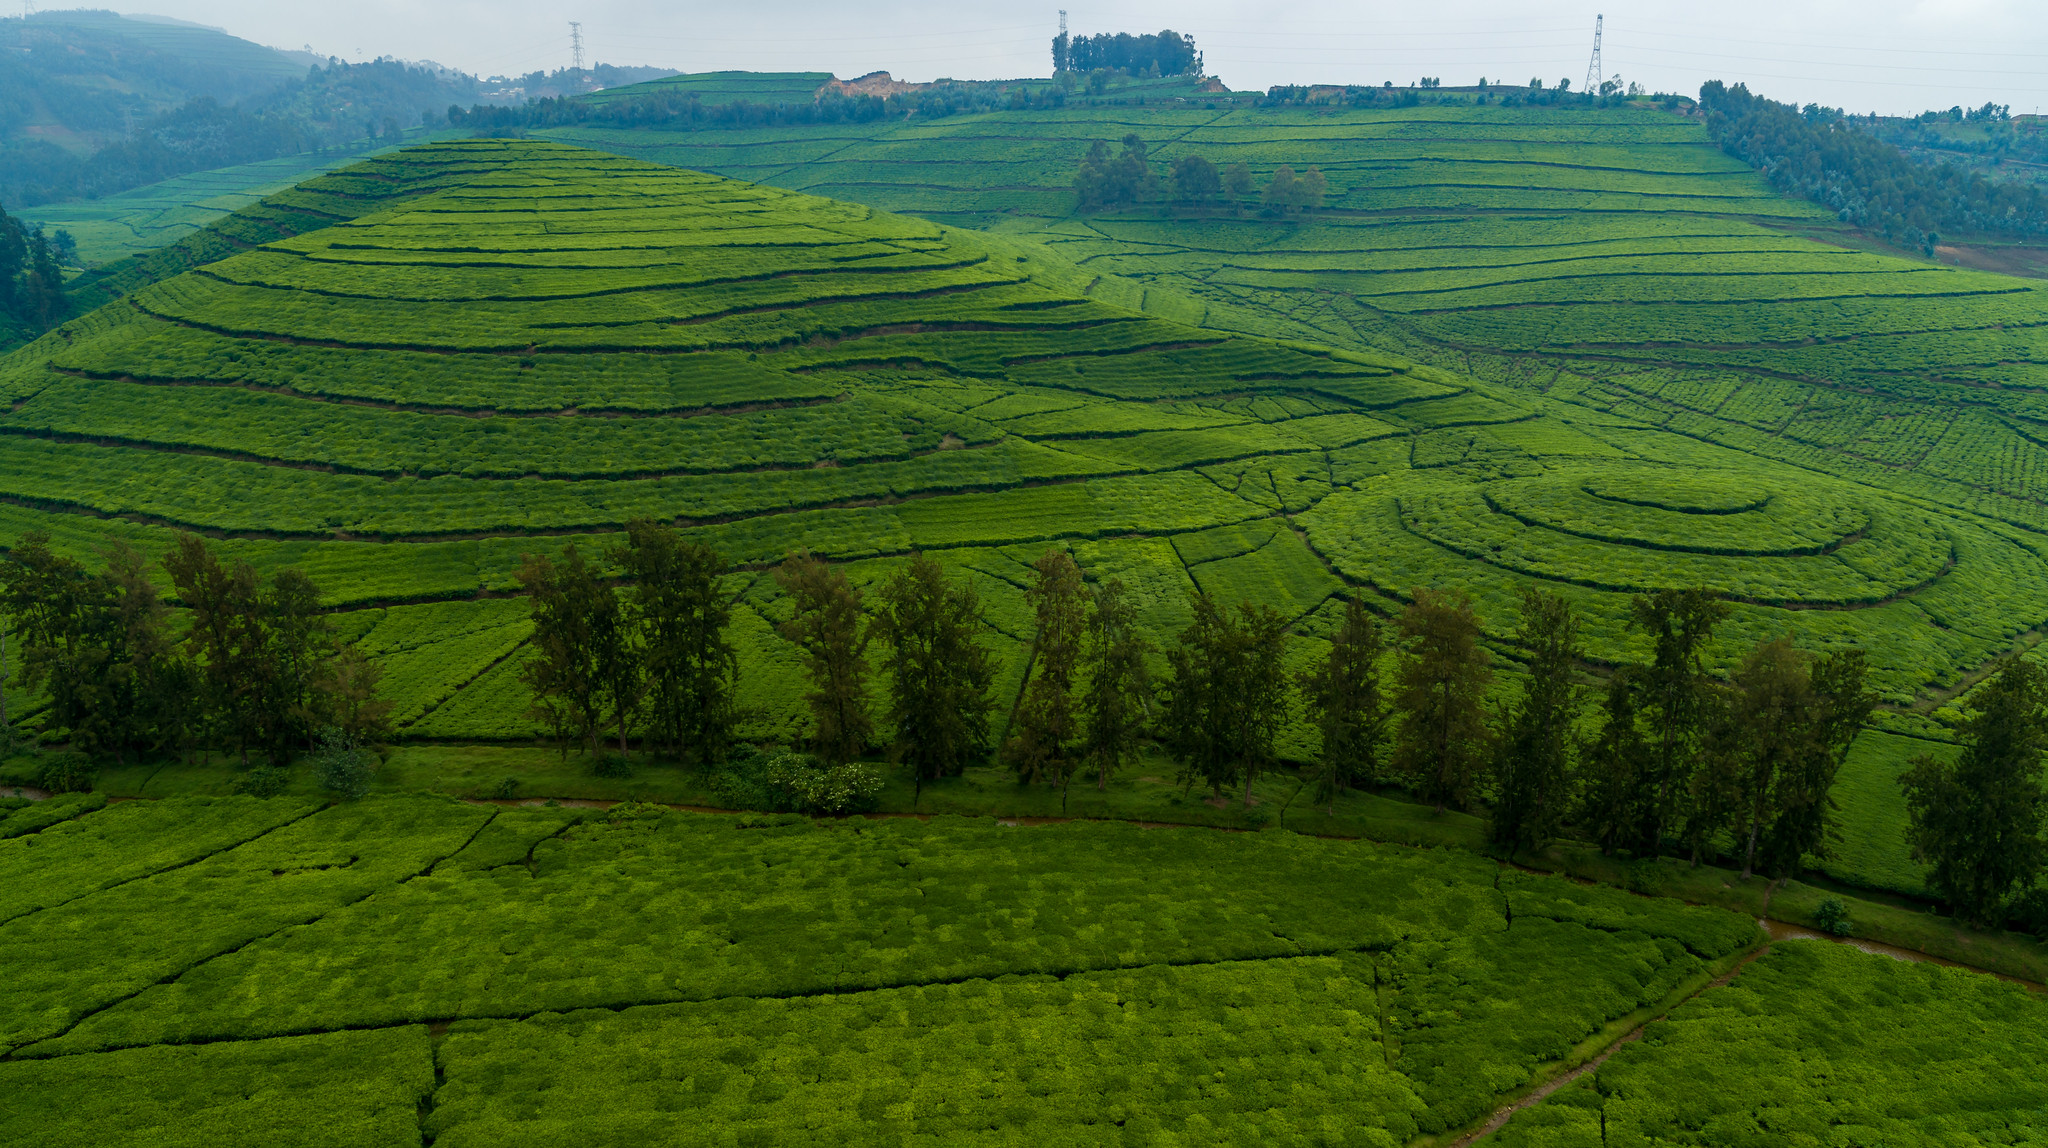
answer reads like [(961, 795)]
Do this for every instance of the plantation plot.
[(802, 981), (1818, 1043)]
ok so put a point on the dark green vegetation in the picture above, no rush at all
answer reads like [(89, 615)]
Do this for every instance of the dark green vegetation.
[(1819, 154), (1817, 1044), (785, 976), (96, 103), (31, 282)]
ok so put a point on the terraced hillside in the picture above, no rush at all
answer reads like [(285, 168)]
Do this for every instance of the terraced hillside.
[(1613, 261), (511, 341)]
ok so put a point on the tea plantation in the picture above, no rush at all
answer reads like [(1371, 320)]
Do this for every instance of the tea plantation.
[(1610, 267), (779, 979), (418, 368), (402, 376)]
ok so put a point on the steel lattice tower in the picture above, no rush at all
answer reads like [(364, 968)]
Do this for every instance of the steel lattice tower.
[(1593, 74), (576, 46)]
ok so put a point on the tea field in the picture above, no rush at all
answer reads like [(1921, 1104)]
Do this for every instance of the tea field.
[(1609, 267), (1817, 1044), (526, 974), (418, 368)]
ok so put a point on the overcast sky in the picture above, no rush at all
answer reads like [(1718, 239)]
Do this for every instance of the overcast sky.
[(1884, 55)]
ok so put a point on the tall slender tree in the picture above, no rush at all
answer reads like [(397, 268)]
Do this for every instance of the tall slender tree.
[(298, 643), (149, 683), (826, 625), (1609, 782), (1676, 701), (1801, 827), (1347, 704), (1046, 731), (1532, 761), (577, 668), (1977, 821), (226, 640), (939, 672), (1442, 739), (1119, 694), (1227, 700), (691, 668)]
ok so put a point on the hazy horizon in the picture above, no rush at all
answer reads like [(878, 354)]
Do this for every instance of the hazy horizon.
[(1894, 56)]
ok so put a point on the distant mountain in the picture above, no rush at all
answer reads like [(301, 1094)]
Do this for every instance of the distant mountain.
[(80, 80), (104, 103)]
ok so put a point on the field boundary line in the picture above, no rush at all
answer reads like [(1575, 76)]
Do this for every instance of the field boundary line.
[(14, 1052), (4, 922)]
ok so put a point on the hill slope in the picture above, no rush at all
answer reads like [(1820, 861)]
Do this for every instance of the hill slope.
[(532, 340), (1610, 260)]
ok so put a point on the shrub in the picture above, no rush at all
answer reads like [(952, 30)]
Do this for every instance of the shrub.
[(614, 765), (1832, 917), (342, 764), (506, 790), (68, 772), (797, 783)]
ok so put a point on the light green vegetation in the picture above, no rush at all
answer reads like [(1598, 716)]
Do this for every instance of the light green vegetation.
[(1817, 1044), (1610, 269), (1845, 433), (783, 977), (141, 220), (502, 344), (335, 1090)]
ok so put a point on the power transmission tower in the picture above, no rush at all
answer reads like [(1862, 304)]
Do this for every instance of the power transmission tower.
[(1593, 74), (576, 46), (1063, 21)]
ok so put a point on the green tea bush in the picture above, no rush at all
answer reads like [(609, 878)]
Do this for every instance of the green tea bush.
[(116, 939), (335, 1090), (1819, 1043), (36, 816), (669, 906)]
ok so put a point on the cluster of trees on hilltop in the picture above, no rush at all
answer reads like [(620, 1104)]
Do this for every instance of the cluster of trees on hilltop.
[(31, 283), (1128, 178), (1821, 154), (257, 667), (1163, 54)]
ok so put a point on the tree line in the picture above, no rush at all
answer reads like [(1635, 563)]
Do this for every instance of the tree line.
[(1128, 177), (1672, 760), (1830, 158), (255, 665)]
